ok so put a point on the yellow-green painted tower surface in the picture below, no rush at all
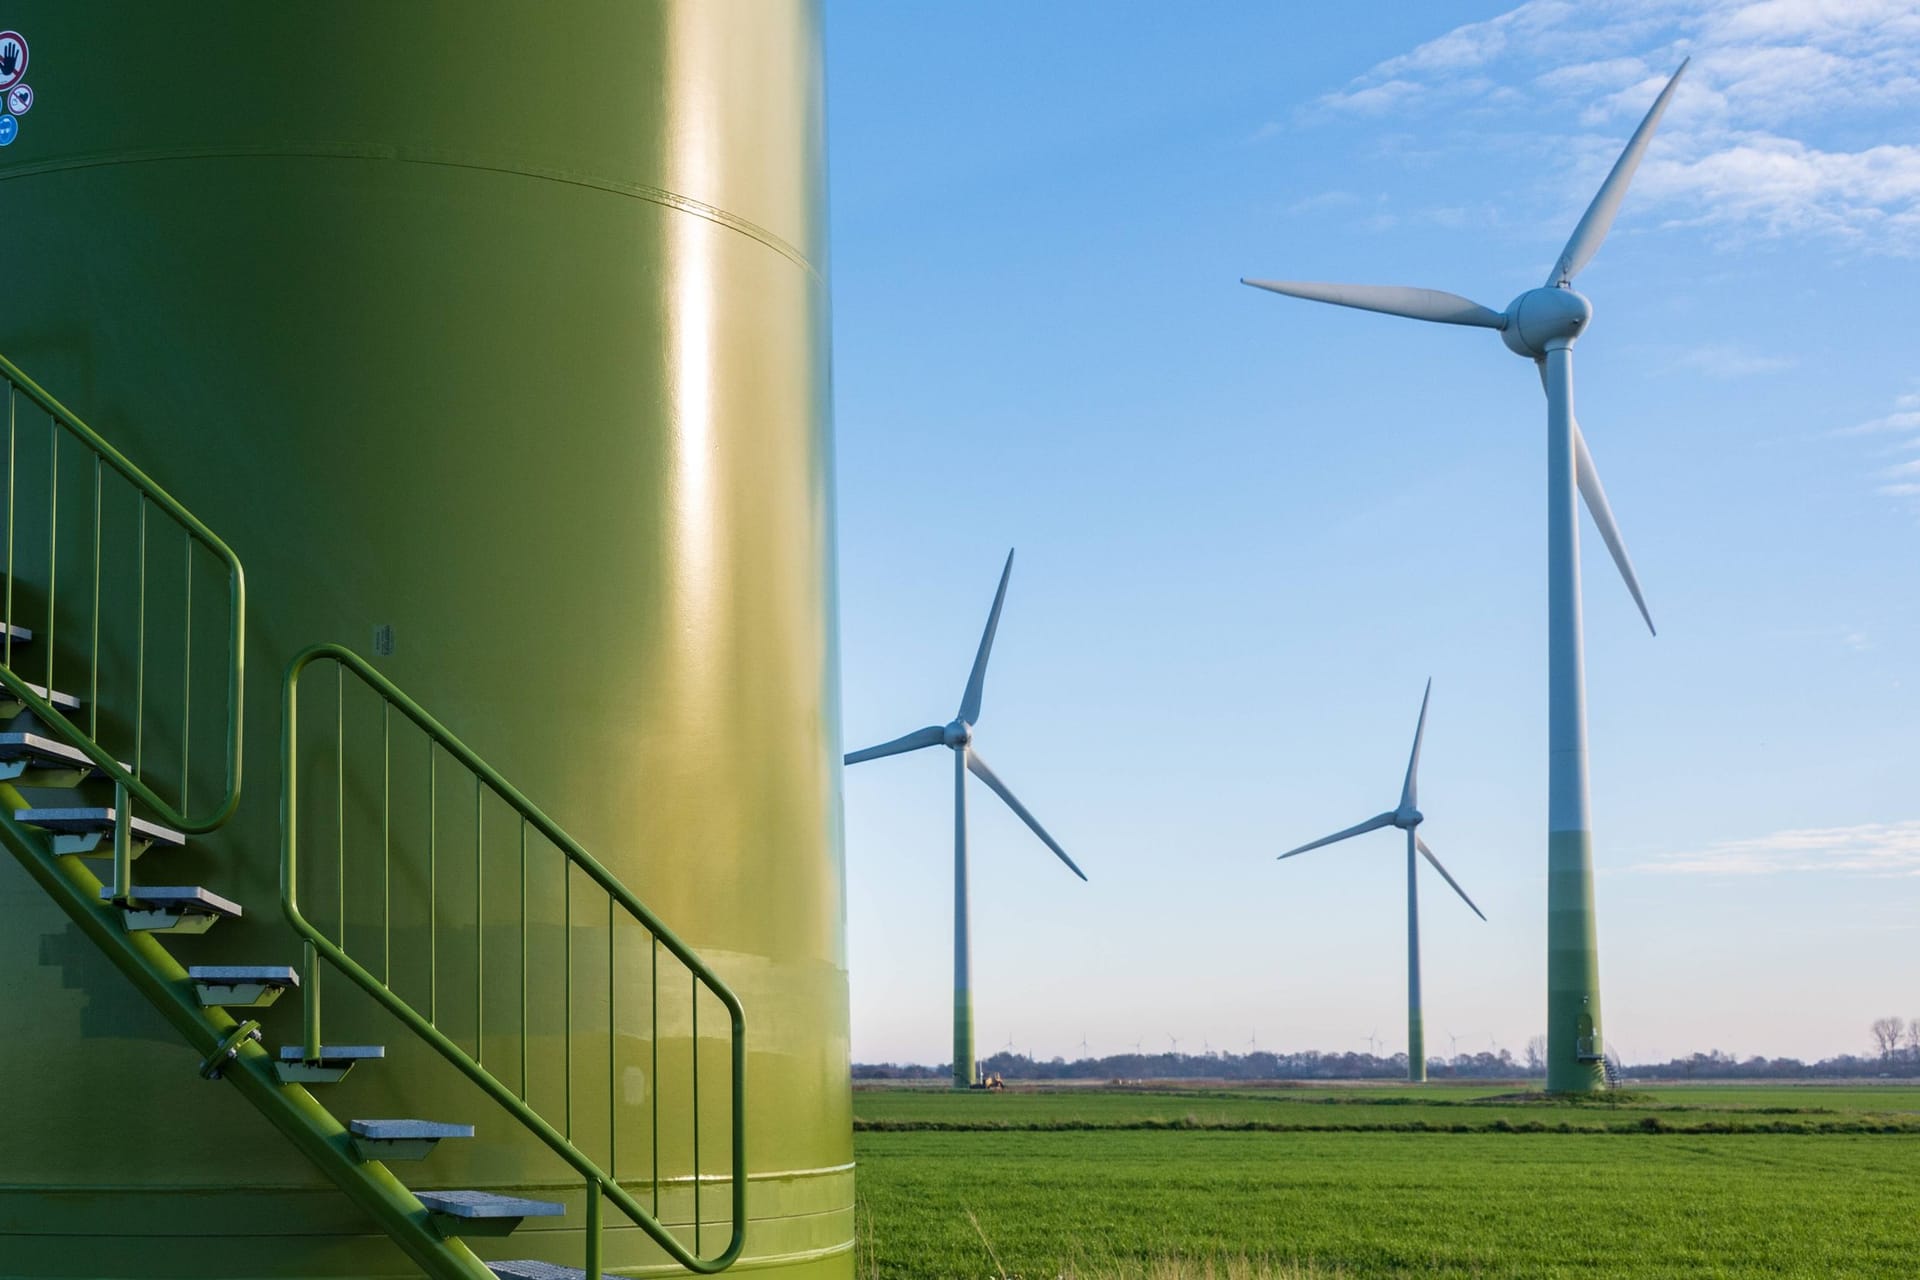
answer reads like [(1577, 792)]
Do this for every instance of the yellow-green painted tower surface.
[(501, 330)]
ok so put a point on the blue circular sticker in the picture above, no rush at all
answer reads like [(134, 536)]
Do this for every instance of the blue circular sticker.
[(9, 130)]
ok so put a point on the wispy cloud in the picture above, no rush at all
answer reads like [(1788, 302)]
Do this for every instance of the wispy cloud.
[(1747, 147), (1730, 360), (1323, 200), (1899, 480), (1871, 849)]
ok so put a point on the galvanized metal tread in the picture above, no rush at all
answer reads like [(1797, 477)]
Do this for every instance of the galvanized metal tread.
[(96, 821), (35, 746), (334, 1052), (270, 975), (241, 986), (331, 1067), (60, 701), (403, 1130), (21, 635), (402, 1139), (486, 1204), (529, 1270), (189, 898)]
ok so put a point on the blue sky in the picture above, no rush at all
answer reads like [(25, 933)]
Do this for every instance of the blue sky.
[(1249, 528)]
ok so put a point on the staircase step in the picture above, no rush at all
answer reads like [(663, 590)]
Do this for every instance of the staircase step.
[(401, 1139), (39, 761), (241, 986), (526, 1270), (85, 831), (21, 635), (10, 704), (331, 1068), (482, 1213), (185, 908)]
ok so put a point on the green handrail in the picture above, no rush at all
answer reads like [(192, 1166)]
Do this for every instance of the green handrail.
[(128, 784), (599, 1183)]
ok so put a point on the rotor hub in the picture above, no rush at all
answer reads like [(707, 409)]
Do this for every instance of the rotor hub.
[(958, 734), (1407, 819), (1542, 319)]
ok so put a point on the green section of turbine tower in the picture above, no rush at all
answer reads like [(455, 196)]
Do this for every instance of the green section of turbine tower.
[(1416, 1018), (493, 339), (964, 1071), (1575, 1053)]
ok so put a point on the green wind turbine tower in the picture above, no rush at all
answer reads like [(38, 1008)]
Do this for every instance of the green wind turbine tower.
[(957, 734), (1406, 816), (1542, 325)]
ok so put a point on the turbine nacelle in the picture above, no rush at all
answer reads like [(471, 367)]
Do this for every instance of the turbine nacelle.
[(1540, 320), (957, 734)]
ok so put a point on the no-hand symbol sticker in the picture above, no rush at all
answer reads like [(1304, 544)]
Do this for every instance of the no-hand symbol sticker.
[(13, 59)]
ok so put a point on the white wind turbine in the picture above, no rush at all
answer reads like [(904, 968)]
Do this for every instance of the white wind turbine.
[(957, 734), (1542, 325), (1406, 816)]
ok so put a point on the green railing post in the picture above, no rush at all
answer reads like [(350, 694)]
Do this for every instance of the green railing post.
[(122, 843), (594, 1253), (310, 994)]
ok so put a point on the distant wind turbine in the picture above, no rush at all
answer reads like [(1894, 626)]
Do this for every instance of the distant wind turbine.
[(1407, 817), (957, 734), (1372, 1037), (1542, 325)]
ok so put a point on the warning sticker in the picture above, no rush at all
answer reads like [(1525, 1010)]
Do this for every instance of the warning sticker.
[(9, 130), (20, 99), (13, 59)]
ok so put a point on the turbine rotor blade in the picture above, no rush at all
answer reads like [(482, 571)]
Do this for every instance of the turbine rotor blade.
[(1390, 299), (1596, 499), (1410, 789), (986, 775), (1587, 478), (1428, 854), (1598, 219), (931, 736), (977, 679), (1374, 823)]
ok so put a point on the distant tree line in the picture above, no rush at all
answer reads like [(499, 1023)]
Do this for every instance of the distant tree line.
[(1896, 1043)]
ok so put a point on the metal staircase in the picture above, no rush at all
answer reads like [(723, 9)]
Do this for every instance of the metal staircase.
[(67, 805)]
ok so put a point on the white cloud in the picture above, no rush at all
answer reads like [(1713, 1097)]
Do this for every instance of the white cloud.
[(1323, 200), (1871, 849), (1902, 420), (1730, 360), (1902, 479), (1763, 138), (1375, 100)]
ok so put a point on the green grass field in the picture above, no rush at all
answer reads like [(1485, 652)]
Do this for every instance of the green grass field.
[(1386, 1181)]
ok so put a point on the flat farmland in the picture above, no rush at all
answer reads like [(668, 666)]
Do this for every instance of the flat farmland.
[(1442, 1180)]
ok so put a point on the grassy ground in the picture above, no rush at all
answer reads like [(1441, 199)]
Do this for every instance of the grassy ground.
[(1442, 1108), (1102, 1184)]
